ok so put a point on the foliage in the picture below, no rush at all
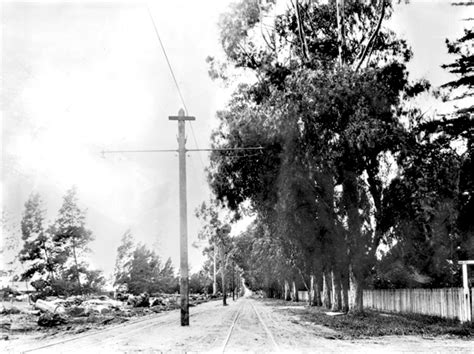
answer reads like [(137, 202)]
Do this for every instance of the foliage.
[(200, 283), (216, 230), (328, 106), (140, 270), (124, 258), (37, 251), (430, 205), (54, 257), (372, 324)]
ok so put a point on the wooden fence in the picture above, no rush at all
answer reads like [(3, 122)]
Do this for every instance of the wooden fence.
[(447, 303)]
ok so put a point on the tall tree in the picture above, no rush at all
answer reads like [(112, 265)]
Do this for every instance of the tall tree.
[(123, 261), (144, 271), (70, 235), (325, 98), (461, 125), (37, 251), (217, 232), (167, 279)]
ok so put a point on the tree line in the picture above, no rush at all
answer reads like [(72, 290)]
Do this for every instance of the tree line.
[(356, 186), (54, 256)]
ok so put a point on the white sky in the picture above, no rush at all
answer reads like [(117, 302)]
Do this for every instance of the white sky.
[(80, 77)]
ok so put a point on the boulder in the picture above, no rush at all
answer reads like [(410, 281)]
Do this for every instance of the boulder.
[(51, 319), (50, 306), (142, 300)]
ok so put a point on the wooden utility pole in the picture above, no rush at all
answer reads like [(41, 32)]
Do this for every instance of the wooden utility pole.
[(183, 217), (214, 284), (183, 240)]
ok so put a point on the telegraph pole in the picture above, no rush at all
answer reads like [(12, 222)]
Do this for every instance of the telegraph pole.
[(183, 225), (183, 217)]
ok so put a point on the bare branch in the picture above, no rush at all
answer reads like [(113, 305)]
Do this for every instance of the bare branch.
[(304, 45), (372, 38), (340, 28)]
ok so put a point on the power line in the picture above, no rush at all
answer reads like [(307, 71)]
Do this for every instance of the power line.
[(167, 60), (175, 81), (229, 149), (195, 142)]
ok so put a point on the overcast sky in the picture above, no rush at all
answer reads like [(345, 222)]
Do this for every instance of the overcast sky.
[(79, 77)]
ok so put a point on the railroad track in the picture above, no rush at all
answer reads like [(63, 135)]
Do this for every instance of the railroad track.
[(239, 311), (134, 326)]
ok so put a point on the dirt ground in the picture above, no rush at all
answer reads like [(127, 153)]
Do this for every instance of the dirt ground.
[(246, 325)]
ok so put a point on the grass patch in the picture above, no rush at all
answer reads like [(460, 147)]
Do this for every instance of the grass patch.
[(374, 324)]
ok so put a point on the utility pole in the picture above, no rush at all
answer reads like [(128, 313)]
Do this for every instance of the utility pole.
[(214, 284), (183, 217), (183, 240), (233, 284)]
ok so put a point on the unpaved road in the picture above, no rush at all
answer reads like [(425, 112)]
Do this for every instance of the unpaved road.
[(245, 325)]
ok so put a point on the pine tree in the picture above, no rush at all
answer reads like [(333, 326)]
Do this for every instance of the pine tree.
[(167, 280), (124, 259), (144, 271), (70, 236), (36, 253)]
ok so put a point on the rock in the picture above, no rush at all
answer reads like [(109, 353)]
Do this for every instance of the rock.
[(5, 324), (142, 300), (31, 312), (105, 310), (157, 309), (76, 311), (10, 311), (157, 302), (51, 320), (52, 307)]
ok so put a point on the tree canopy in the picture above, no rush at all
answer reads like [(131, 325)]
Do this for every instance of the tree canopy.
[(327, 103)]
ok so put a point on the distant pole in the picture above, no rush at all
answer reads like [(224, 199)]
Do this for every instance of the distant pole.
[(183, 225), (233, 284), (214, 284)]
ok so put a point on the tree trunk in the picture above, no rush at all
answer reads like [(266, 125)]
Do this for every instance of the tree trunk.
[(77, 268), (340, 29), (345, 290), (233, 284), (294, 292), (224, 290), (326, 289), (357, 287), (317, 292), (287, 291), (214, 284), (336, 291), (356, 241)]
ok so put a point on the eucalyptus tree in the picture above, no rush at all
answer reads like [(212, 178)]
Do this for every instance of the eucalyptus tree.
[(216, 230), (328, 79)]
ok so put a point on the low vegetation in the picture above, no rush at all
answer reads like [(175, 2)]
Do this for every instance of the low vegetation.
[(375, 324)]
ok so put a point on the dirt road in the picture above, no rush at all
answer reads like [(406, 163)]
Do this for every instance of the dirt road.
[(246, 325)]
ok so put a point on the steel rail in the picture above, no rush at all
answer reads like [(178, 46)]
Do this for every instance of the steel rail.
[(111, 328), (269, 334), (260, 319), (226, 341)]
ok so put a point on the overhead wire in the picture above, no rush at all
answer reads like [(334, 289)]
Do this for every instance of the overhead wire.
[(175, 82)]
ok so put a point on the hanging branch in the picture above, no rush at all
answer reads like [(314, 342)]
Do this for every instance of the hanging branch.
[(272, 47), (304, 45), (340, 28), (372, 37)]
